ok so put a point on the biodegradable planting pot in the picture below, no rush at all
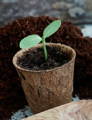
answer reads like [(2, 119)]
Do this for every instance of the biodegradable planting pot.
[(45, 89)]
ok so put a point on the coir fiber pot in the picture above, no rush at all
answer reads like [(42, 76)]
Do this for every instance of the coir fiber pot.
[(45, 89)]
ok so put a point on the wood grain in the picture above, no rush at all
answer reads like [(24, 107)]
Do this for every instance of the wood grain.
[(81, 110)]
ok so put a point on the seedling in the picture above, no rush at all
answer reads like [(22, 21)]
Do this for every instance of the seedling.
[(32, 40)]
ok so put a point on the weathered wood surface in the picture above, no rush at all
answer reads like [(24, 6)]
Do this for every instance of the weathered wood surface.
[(81, 110)]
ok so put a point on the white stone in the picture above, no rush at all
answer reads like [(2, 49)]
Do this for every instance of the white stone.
[(76, 12), (87, 31)]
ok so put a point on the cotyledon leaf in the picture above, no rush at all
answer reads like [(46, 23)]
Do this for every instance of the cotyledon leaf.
[(51, 28), (30, 41)]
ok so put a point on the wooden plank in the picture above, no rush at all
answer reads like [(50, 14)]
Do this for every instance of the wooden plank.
[(81, 110)]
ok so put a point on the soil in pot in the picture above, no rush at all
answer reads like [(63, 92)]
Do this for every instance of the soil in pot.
[(34, 60)]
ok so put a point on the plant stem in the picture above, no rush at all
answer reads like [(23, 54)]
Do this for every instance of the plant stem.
[(44, 47)]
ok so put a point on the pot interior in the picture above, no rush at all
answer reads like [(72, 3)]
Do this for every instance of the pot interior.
[(33, 59)]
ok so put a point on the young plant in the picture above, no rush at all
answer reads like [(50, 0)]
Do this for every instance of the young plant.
[(33, 40)]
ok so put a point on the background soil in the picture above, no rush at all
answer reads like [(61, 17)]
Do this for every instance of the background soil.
[(78, 11), (11, 94)]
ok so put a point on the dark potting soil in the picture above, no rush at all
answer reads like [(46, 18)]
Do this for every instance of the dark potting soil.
[(35, 60), (11, 95)]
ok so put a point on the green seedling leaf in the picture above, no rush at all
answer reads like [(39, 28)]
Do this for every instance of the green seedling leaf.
[(51, 28), (30, 41), (33, 40)]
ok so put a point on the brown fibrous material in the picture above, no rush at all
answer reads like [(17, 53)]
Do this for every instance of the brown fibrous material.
[(11, 94)]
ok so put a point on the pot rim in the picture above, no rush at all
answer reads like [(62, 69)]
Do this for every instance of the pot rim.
[(20, 53)]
